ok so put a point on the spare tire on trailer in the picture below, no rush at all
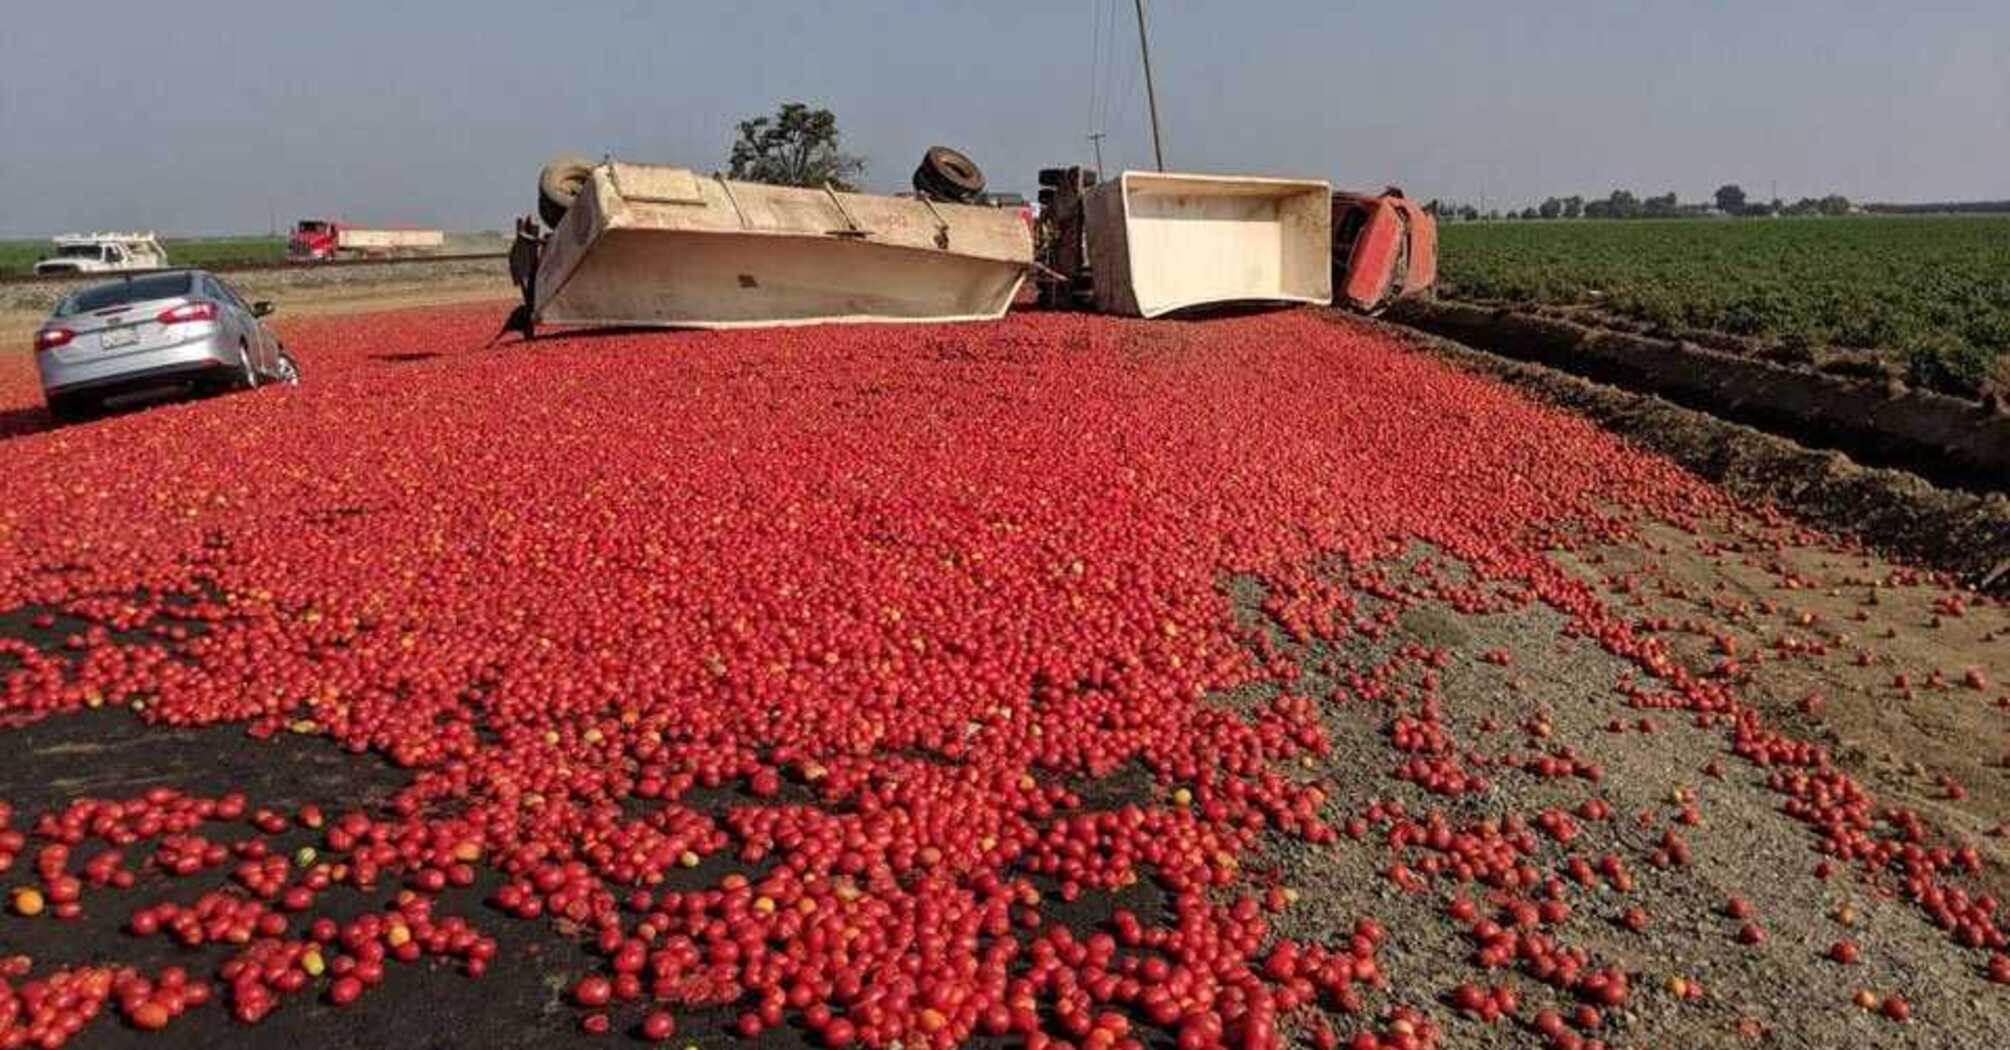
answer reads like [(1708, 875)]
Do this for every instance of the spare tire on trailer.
[(947, 174), (559, 184)]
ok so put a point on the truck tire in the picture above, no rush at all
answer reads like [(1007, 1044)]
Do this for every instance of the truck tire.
[(559, 184), (947, 174)]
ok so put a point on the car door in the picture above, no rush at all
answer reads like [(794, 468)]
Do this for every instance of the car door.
[(268, 343), (231, 317), (256, 338)]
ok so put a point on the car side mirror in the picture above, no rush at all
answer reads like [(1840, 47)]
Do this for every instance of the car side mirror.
[(262, 308)]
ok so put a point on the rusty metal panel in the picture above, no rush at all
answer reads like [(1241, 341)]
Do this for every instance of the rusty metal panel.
[(1367, 235), (1385, 246), (1423, 272)]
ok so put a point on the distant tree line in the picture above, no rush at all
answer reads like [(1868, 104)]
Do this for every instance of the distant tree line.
[(1948, 207), (1624, 204)]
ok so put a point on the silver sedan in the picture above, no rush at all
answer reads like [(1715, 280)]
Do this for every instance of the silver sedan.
[(170, 330)]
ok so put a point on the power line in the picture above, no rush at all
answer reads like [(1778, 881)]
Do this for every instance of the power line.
[(1131, 85), (1095, 60), (1109, 69), (1151, 93)]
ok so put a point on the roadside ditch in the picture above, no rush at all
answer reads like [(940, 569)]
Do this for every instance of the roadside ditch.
[(1889, 471)]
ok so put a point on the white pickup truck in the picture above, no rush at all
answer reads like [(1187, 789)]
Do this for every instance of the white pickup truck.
[(104, 253)]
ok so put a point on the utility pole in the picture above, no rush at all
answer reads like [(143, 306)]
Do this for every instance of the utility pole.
[(1151, 93), (1097, 138)]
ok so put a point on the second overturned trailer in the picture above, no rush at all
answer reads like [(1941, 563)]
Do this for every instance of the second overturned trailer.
[(1150, 243), (1161, 242), (646, 244)]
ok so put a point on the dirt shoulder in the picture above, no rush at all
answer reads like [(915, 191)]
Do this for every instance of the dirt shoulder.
[(1508, 685)]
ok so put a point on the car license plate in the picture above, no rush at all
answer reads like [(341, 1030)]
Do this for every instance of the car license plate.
[(118, 337)]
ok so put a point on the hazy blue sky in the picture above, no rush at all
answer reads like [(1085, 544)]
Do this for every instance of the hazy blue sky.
[(209, 115)]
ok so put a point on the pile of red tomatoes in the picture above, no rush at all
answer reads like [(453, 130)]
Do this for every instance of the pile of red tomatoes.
[(904, 593)]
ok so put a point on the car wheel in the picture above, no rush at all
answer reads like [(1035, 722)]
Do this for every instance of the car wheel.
[(288, 371), (559, 184), (70, 408)]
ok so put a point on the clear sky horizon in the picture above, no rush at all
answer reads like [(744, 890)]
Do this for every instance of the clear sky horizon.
[(222, 116)]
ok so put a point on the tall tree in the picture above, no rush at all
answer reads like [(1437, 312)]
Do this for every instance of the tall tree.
[(1730, 199), (798, 146)]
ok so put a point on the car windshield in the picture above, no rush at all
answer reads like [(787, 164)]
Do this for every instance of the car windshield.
[(134, 290), (79, 251)]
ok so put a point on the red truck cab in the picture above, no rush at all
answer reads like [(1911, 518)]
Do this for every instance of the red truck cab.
[(313, 240), (1385, 247)]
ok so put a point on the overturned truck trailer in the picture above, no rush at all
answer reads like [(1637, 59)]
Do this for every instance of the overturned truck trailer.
[(1152, 243), (644, 244)]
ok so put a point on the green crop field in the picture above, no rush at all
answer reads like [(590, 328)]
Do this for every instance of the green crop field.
[(18, 257), (1933, 292)]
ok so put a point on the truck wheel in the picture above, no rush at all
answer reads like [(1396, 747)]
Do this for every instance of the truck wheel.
[(287, 371), (559, 184), (947, 174)]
